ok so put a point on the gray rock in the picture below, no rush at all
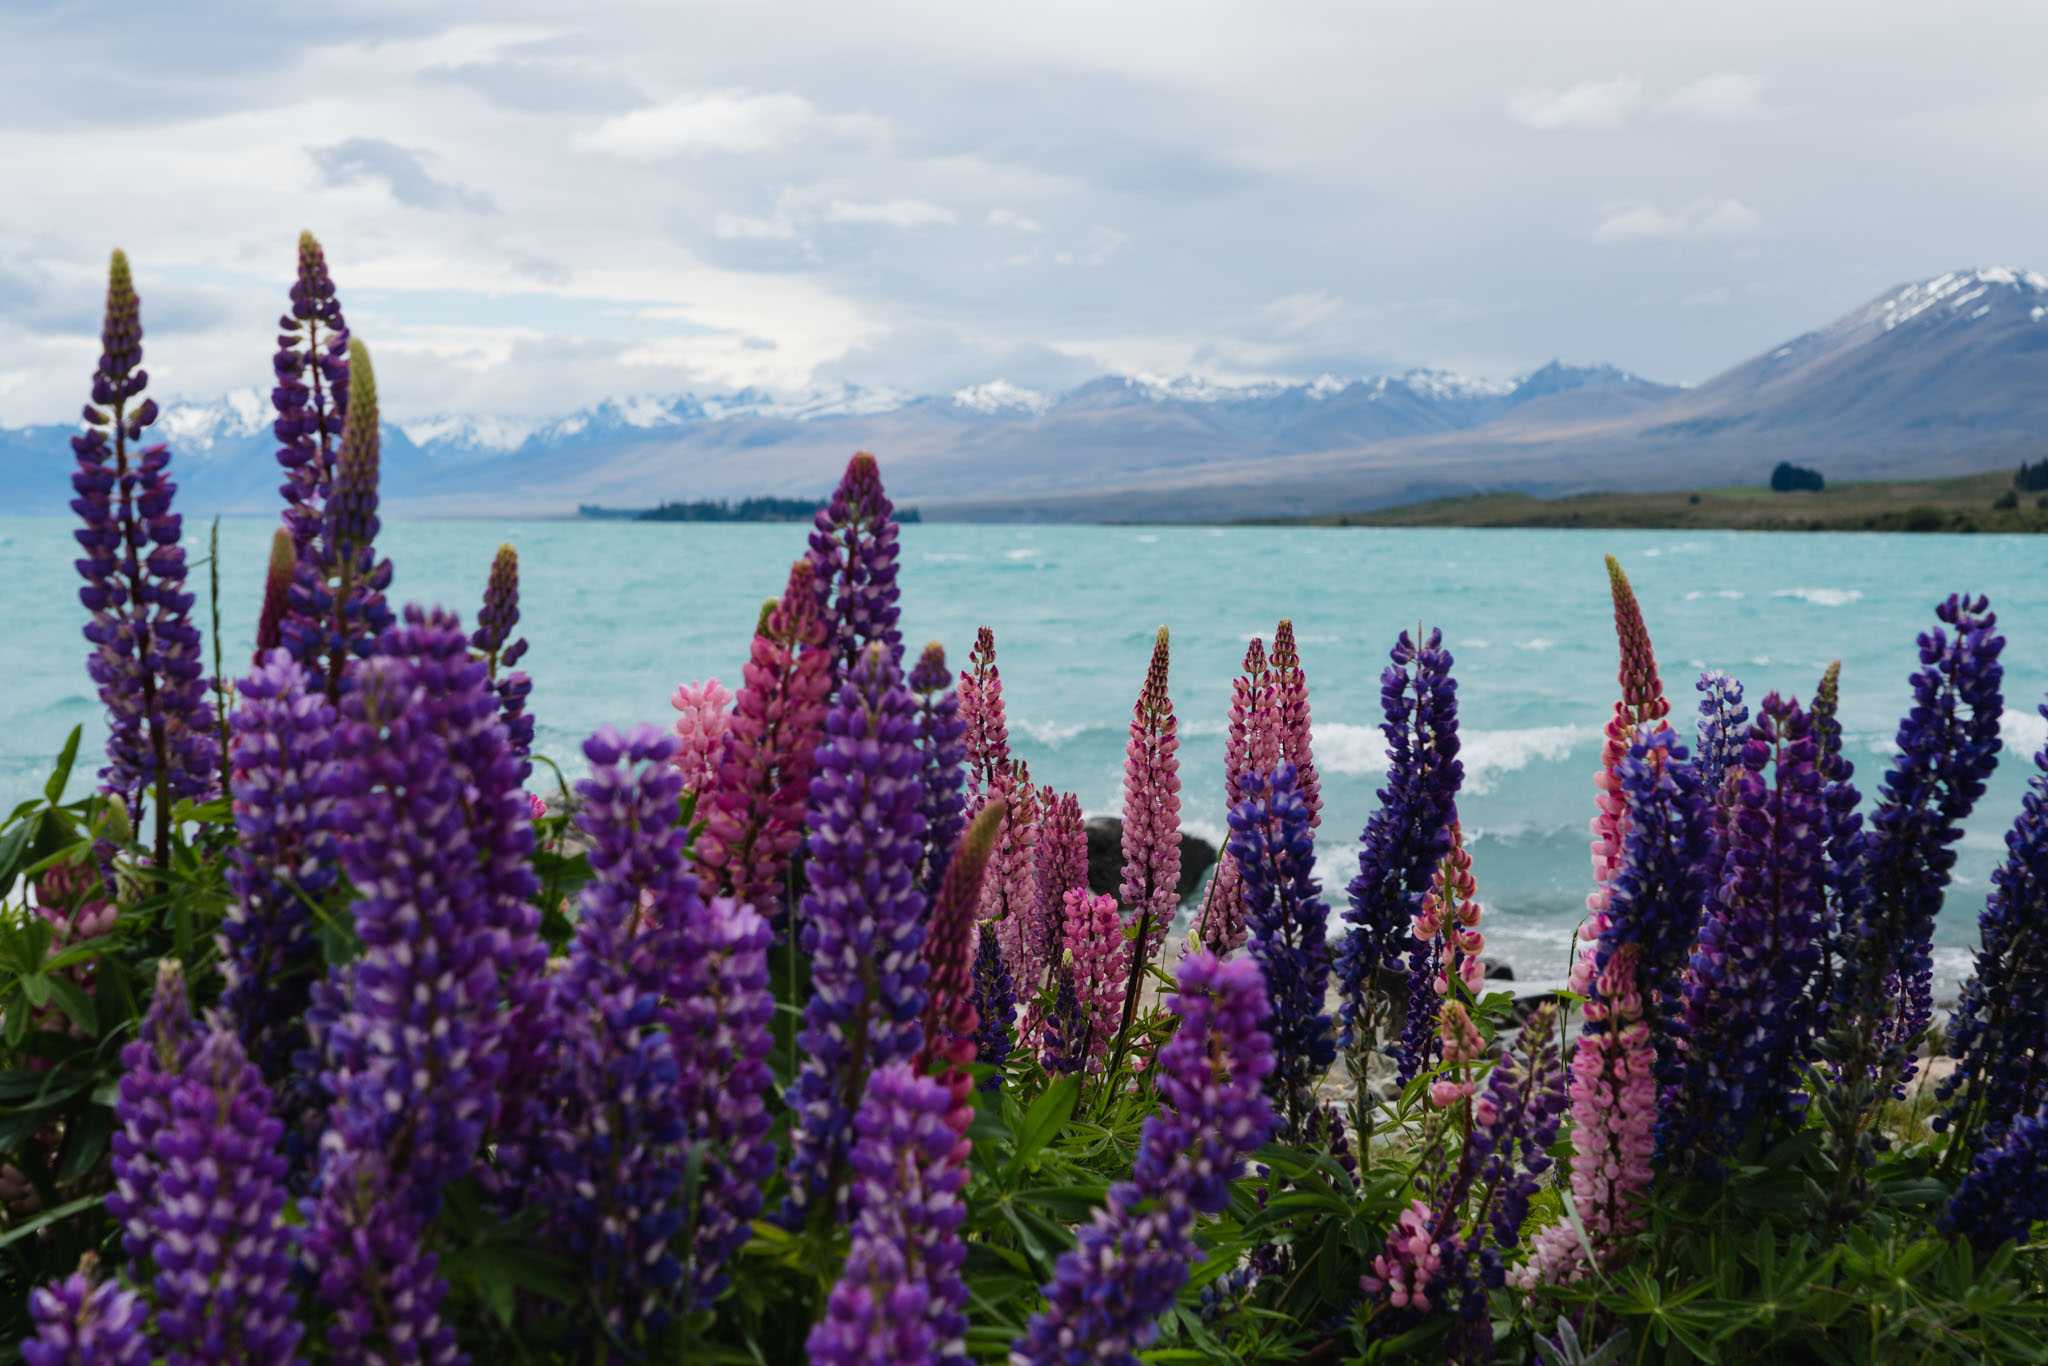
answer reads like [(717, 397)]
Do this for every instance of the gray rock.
[(1106, 857)]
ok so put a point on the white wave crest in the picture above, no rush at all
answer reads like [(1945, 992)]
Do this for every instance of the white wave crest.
[(1725, 594), (1822, 597), (1357, 751), (2023, 732), (1051, 734)]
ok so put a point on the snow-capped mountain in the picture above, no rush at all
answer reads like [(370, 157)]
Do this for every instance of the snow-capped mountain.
[(1944, 374)]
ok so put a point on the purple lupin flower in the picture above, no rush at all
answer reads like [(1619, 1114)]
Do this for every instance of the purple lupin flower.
[(289, 790), (900, 1299), (995, 1008), (492, 639), (1514, 1122), (310, 395), (223, 1252), (1668, 870), (1411, 831), (942, 744), (370, 1262), (1999, 1033), (146, 658), (85, 1321), (150, 1068), (1748, 1004), (853, 564), (863, 920), (1724, 724), (1274, 848), (1841, 832), (2006, 1191), (336, 607), (1129, 1263), (1947, 747), (423, 1029), (610, 1153)]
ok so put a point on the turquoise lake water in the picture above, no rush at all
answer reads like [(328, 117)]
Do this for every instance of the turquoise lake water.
[(618, 613)]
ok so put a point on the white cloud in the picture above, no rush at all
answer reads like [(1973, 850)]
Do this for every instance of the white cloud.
[(1725, 97), (1293, 313), (1016, 222), (894, 213), (1648, 222), (1716, 297), (729, 121), (741, 227), (1589, 104)]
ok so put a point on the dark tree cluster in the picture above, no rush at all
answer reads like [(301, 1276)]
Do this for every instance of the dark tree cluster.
[(1791, 478)]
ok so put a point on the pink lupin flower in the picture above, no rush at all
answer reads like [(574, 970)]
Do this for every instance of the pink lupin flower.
[(1220, 927), (1009, 893), (755, 812), (1251, 744), (1642, 703), (1614, 1114), (1151, 837), (1290, 710), (1099, 957), (704, 717), (1060, 861), (981, 707), (950, 1020)]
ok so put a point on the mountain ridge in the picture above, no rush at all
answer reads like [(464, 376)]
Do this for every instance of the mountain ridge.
[(1935, 376)]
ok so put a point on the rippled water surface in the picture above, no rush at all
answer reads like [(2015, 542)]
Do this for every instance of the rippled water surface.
[(620, 612)]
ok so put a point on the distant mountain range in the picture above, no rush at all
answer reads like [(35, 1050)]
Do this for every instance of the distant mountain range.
[(1942, 376)]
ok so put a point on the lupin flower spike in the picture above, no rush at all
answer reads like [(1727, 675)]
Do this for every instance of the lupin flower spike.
[(1060, 855), (1724, 722), (85, 1321), (995, 1008), (1098, 957), (311, 394), (1251, 742), (145, 658), (1445, 945), (941, 745), (445, 919), (853, 563), (1642, 703), (1009, 894), (863, 922), (1274, 849), (150, 1068), (223, 1253), (277, 587), (1999, 1034), (1127, 1266), (1411, 831), (1947, 747), (1748, 1000), (900, 1299), (1291, 713), (950, 944), (2006, 1191), (336, 607), (981, 708), (492, 639), (1150, 889), (754, 815), (290, 796), (703, 715)]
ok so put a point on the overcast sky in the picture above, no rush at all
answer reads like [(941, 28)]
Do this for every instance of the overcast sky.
[(530, 207)]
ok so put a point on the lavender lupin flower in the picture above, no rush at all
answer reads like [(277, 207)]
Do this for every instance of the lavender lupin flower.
[(492, 639), (1748, 1008), (150, 1068), (610, 1155), (900, 1299), (311, 394), (1947, 747), (1724, 723), (942, 744), (1411, 831), (336, 607), (289, 788), (223, 1252), (995, 1008), (146, 657), (863, 920), (853, 563), (1127, 1265), (85, 1321), (442, 1007), (719, 1020), (2006, 1191), (1274, 848), (1999, 1033)]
